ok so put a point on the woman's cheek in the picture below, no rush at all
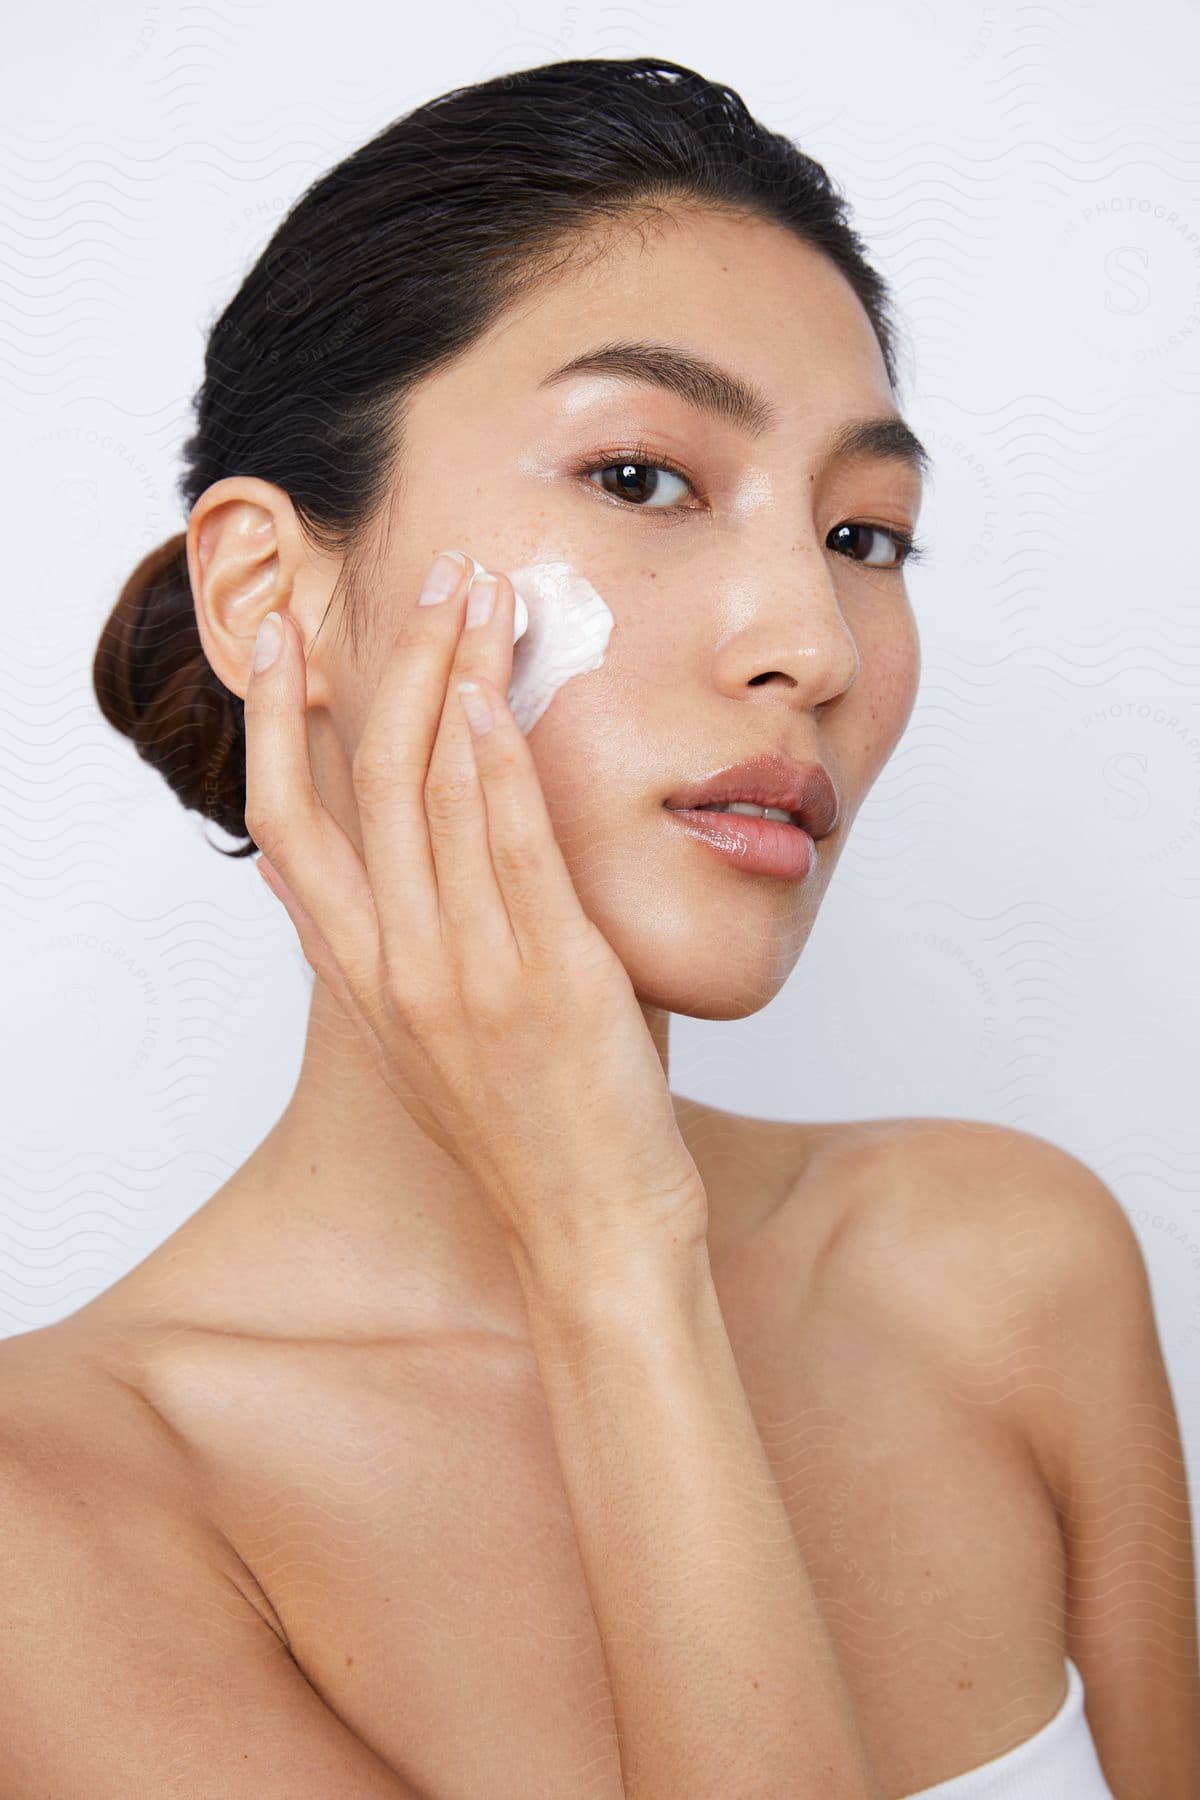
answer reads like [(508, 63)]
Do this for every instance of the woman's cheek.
[(877, 709)]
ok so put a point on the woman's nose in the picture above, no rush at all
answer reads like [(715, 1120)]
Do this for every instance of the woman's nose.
[(788, 631)]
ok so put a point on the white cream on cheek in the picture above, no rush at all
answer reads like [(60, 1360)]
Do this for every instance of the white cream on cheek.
[(561, 628)]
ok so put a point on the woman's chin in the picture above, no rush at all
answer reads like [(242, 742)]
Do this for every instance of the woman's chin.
[(711, 980), (698, 942)]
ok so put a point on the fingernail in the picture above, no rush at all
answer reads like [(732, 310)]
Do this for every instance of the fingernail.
[(268, 643), (442, 578), (481, 597)]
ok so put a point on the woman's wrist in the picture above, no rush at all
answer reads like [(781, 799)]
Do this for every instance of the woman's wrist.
[(626, 1280)]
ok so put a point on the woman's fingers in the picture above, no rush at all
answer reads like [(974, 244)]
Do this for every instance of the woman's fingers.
[(474, 916), (391, 762), (286, 817), (502, 881), (543, 906)]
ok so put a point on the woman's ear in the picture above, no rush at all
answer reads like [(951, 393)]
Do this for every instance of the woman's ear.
[(247, 557)]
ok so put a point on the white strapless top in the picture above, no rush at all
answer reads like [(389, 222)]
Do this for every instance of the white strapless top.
[(1059, 1762)]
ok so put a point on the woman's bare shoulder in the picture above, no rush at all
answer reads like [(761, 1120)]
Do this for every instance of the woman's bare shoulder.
[(73, 1416), (953, 1225), (70, 1415), (126, 1611), (57, 1375), (842, 1143), (863, 1160), (78, 1428)]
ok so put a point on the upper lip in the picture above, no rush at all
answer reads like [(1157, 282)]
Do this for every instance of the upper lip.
[(770, 779)]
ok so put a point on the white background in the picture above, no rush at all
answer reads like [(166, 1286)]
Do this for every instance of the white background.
[(1012, 931)]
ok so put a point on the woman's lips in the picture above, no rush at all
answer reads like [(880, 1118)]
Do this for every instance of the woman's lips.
[(756, 846)]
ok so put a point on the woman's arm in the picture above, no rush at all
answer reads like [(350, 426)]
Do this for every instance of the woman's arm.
[(1104, 1422), (130, 1663), (723, 1676)]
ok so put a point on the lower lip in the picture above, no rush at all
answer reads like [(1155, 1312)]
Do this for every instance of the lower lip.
[(759, 846)]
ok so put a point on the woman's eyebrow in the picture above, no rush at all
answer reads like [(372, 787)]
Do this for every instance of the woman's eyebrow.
[(888, 439), (711, 388)]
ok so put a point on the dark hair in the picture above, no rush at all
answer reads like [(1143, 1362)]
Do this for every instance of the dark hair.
[(385, 270)]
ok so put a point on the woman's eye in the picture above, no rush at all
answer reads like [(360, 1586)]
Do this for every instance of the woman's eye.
[(643, 484), (898, 546)]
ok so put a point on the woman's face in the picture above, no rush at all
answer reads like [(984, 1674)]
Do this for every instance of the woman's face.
[(737, 629)]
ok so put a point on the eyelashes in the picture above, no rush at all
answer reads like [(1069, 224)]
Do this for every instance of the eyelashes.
[(910, 550), (625, 466), (629, 465)]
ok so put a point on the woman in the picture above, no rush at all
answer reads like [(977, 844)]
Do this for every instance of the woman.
[(508, 1425)]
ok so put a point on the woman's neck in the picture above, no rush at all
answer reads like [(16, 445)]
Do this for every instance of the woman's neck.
[(347, 1222)]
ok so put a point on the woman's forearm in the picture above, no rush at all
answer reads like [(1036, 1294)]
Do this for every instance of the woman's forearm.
[(723, 1676)]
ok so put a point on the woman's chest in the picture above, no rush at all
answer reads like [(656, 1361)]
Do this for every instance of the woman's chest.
[(412, 1534)]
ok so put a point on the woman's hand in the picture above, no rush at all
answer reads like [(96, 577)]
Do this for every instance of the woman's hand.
[(497, 1012)]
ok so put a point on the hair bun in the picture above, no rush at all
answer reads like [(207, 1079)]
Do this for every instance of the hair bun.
[(155, 685)]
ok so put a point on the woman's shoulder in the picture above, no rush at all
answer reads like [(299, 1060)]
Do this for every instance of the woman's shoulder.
[(846, 1148), (56, 1376), (988, 1188), (958, 1228), (80, 1457), (72, 1421), (129, 1613), (82, 1442), (968, 1174), (871, 1166)]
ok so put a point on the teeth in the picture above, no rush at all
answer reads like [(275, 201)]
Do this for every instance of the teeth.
[(751, 812)]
